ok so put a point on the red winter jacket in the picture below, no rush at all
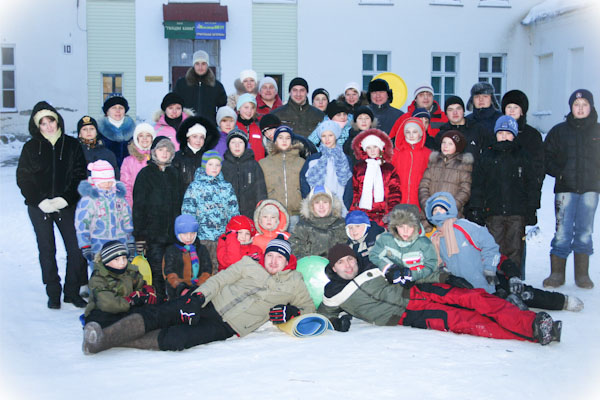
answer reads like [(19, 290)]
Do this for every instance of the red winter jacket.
[(391, 181), (410, 162), (230, 250), (438, 118), (263, 109), (254, 139)]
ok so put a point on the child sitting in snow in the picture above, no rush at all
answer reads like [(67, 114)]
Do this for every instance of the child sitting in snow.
[(362, 234), (270, 219), (102, 213), (186, 262), (116, 286), (236, 242), (139, 154)]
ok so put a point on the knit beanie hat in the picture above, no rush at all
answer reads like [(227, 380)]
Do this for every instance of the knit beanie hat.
[(352, 85), (248, 73), (281, 246), (319, 91), (240, 222), (581, 94), (200, 56), (506, 123), (423, 88), (338, 252), (331, 126), (210, 155), (100, 171), (458, 138), (85, 121), (196, 129), (298, 82), (421, 113), (282, 128), (44, 112), (269, 121), (237, 133), (440, 201), (226, 111), (185, 223), (372, 140), (171, 98), (112, 250), (364, 110), (268, 79), (453, 100), (515, 97), (336, 107), (114, 100), (144, 127), (245, 98)]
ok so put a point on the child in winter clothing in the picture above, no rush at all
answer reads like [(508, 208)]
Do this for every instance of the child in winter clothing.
[(226, 120), (156, 204), (102, 213), (170, 116), (246, 122), (321, 224), (116, 287), (505, 194), (469, 251), (336, 111), (268, 125), (244, 173), (270, 219), (139, 154), (330, 167), (93, 147), (411, 158), (186, 262), (116, 128), (236, 242), (211, 199), (363, 120), (375, 183), (196, 135), (362, 234)]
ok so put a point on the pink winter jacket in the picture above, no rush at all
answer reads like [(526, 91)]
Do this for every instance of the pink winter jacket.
[(131, 166), (163, 129)]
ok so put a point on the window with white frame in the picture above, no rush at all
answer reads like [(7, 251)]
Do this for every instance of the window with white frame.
[(492, 69), (444, 71), (8, 79), (112, 85), (374, 62)]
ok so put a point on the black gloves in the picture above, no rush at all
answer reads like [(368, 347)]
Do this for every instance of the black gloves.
[(280, 313), (459, 282), (397, 274), (87, 252), (341, 324), (187, 312)]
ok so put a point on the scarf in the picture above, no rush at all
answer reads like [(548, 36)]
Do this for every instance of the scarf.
[(174, 122), (115, 122), (372, 185), (53, 138), (316, 173), (90, 143), (190, 248), (447, 232)]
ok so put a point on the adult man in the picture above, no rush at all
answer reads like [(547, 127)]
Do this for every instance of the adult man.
[(267, 99), (200, 89), (485, 107), (237, 300), (366, 293), (297, 113), (380, 96), (423, 99)]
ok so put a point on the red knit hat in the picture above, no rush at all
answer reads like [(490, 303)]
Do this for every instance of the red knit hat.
[(240, 222)]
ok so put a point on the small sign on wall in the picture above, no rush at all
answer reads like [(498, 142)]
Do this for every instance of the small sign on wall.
[(153, 78), (67, 48)]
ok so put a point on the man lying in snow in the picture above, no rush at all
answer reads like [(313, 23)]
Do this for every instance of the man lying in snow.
[(235, 301)]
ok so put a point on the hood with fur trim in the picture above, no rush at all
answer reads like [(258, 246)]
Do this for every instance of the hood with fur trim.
[(240, 89), (139, 155), (284, 216), (212, 133), (193, 79), (405, 214), (401, 140), (306, 207), (360, 154), (87, 189)]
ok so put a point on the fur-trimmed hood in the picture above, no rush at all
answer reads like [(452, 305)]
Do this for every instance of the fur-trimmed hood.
[(306, 207), (240, 89), (360, 154), (87, 189), (464, 158), (405, 214), (212, 133), (284, 216), (362, 99), (193, 79), (139, 155), (296, 147), (187, 112)]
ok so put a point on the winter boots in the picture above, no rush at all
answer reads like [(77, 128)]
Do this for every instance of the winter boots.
[(96, 339), (582, 264), (573, 303), (147, 342), (557, 272), (545, 330)]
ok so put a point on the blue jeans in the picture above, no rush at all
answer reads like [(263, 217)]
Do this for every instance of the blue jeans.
[(574, 223)]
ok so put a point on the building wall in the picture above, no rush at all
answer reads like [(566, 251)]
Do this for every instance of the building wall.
[(111, 28), (43, 70)]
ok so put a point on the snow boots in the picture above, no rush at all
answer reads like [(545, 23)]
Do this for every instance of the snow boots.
[(557, 272), (96, 339), (573, 303), (582, 264), (545, 330), (147, 342)]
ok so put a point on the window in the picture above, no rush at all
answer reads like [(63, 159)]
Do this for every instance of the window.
[(112, 84), (374, 63), (8, 79), (492, 69), (443, 75)]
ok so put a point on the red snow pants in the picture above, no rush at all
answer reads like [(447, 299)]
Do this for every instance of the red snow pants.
[(471, 311)]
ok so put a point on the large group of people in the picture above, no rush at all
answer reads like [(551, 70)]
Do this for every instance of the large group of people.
[(421, 215)]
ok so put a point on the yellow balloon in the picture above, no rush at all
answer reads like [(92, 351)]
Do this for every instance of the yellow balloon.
[(144, 268), (398, 87)]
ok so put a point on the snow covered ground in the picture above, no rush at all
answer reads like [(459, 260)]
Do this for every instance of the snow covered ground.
[(41, 358)]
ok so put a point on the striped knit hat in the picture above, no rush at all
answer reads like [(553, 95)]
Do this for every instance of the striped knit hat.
[(112, 250), (209, 155), (101, 171), (281, 246)]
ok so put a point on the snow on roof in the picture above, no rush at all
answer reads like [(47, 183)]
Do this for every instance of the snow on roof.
[(552, 8)]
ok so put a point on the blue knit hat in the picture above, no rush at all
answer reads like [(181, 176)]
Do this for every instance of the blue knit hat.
[(329, 125), (281, 246), (185, 223), (507, 123), (245, 98), (282, 128), (357, 217), (421, 113), (209, 155)]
